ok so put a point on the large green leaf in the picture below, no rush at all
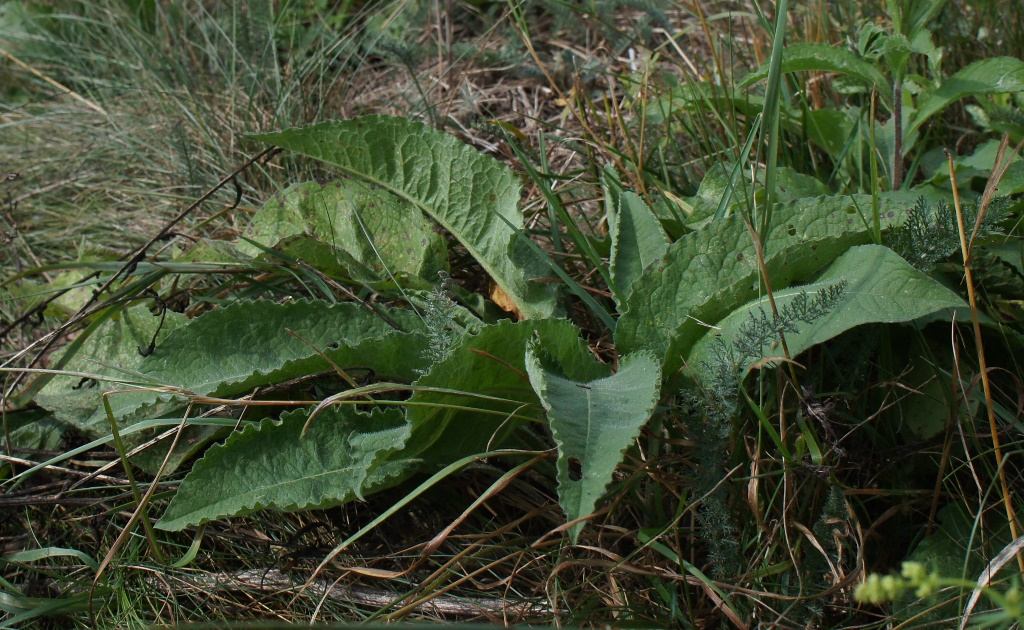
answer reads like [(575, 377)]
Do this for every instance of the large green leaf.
[(717, 183), (593, 421), (814, 57), (706, 274), (115, 350), (273, 465), (471, 195), (352, 227), (831, 130), (448, 425), (988, 76), (234, 349), (637, 241), (881, 287)]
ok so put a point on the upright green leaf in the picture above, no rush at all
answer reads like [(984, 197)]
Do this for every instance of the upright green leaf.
[(880, 287), (352, 227), (593, 421), (999, 75), (234, 349), (637, 241), (273, 465), (465, 191), (448, 425), (706, 274)]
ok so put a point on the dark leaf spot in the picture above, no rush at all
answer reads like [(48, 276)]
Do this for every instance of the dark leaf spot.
[(575, 469)]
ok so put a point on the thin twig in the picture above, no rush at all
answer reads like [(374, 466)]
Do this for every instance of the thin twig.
[(273, 581)]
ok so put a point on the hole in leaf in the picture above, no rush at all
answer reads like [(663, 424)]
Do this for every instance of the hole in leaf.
[(575, 469), (791, 230)]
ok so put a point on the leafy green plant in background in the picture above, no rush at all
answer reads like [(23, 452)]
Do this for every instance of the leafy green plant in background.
[(891, 67), (834, 130)]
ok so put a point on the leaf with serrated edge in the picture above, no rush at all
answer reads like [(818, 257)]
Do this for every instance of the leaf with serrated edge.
[(881, 287), (272, 465), (231, 350), (706, 274), (637, 241), (593, 421), (465, 191), (114, 351)]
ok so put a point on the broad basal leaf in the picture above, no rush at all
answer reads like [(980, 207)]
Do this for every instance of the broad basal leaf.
[(637, 241), (353, 228), (790, 185), (492, 363), (234, 349), (115, 350), (593, 421), (880, 287), (999, 75), (273, 465), (706, 274), (471, 195)]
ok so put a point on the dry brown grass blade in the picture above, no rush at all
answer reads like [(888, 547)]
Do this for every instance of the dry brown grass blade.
[(1008, 552), (495, 488), (1002, 163), (75, 95), (965, 247)]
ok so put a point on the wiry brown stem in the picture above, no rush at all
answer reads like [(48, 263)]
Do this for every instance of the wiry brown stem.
[(997, 449)]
